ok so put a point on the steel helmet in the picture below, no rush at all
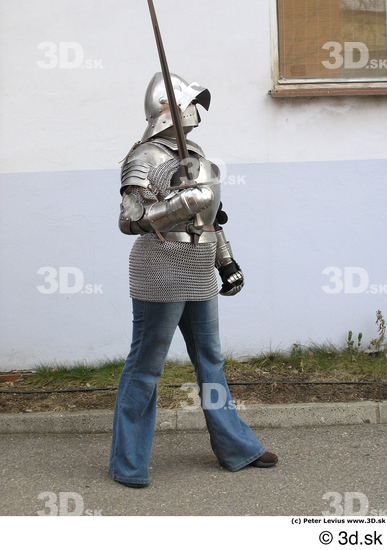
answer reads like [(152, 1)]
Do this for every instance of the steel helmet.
[(156, 104)]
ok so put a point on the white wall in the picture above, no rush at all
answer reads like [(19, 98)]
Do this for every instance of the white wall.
[(311, 173)]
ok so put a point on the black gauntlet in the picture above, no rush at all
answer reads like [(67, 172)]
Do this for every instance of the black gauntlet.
[(229, 271), (232, 278)]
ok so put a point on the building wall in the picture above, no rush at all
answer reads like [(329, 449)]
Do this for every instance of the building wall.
[(304, 180)]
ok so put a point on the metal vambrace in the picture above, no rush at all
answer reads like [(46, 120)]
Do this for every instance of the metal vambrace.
[(181, 207), (136, 218), (223, 250)]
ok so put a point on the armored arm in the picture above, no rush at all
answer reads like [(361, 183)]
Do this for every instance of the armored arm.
[(180, 207), (139, 218), (229, 270), (147, 207)]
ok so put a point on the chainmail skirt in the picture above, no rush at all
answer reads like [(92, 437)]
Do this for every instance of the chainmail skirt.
[(171, 271)]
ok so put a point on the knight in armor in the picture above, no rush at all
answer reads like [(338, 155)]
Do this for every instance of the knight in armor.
[(173, 284)]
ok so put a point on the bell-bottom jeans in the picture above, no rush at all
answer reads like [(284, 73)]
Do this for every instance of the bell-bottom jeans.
[(154, 324)]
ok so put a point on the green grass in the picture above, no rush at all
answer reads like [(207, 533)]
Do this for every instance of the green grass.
[(100, 374), (323, 362)]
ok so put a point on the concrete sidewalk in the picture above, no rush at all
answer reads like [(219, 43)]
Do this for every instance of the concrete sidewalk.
[(57, 464), (62, 474), (256, 416)]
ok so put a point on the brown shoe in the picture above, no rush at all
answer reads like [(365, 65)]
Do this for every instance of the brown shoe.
[(134, 485), (267, 460)]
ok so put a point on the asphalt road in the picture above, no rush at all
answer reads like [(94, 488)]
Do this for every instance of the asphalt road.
[(39, 471)]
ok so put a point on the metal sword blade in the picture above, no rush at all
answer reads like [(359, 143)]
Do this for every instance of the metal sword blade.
[(175, 111)]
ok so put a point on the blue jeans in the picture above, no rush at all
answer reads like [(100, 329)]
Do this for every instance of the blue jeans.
[(154, 325)]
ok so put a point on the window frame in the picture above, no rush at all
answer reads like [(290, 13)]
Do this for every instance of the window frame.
[(314, 87)]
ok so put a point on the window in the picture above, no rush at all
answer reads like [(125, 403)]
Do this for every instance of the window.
[(329, 47)]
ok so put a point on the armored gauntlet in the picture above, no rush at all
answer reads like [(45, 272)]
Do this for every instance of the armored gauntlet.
[(229, 270)]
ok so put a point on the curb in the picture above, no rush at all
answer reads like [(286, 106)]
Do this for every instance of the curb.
[(256, 416)]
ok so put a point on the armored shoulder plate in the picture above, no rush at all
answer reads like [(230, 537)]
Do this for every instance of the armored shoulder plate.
[(136, 166), (209, 175), (171, 143)]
